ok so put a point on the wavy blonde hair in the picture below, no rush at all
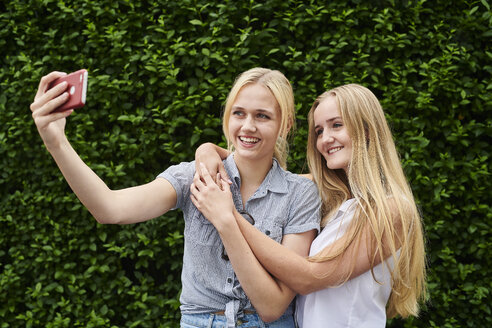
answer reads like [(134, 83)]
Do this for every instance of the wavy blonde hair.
[(376, 180), (281, 89)]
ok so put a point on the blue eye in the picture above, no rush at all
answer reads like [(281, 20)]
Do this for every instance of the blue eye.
[(263, 116), (318, 132), (337, 125)]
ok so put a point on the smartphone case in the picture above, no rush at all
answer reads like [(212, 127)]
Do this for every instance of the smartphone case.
[(77, 89)]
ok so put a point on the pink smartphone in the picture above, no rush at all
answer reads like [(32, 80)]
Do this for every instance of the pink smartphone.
[(77, 89)]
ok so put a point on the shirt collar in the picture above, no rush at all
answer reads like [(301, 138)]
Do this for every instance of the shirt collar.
[(232, 170), (346, 208), (274, 181), (348, 205)]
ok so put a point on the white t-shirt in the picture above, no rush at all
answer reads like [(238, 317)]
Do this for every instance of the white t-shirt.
[(358, 303)]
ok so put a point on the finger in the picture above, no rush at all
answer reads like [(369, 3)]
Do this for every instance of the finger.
[(196, 177), (205, 175), (46, 80), (51, 94), (223, 173), (218, 181), (194, 188), (225, 185), (42, 121), (197, 180), (199, 168), (42, 108), (195, 201)]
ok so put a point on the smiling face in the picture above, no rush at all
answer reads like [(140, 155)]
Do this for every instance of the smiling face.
[(254, 123), (332, 138)]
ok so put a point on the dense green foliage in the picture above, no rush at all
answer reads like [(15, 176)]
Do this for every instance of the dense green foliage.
[(159, 73)]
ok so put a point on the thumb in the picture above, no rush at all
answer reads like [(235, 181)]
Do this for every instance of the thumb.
[(223, 173), (225, 185)]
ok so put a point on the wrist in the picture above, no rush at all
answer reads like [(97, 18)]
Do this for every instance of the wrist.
[(205, 148), (226, 223), (56, 146)]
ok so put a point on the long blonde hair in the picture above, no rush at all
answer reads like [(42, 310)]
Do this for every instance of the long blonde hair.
[(376, 180), (281, 89)]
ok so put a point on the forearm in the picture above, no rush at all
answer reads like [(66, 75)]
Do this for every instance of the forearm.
[(210, 147), (269, 297), (305, 276), (89, 188), (223, 153), (288, 266), (129, 205)]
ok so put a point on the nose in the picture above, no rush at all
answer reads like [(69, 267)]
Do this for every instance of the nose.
[(327, 138), (249, 124)]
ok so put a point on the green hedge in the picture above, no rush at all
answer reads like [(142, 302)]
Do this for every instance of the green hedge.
[(159, 73)]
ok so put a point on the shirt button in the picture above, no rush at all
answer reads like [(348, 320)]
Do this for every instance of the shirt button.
[(229, 280), (267, 232)]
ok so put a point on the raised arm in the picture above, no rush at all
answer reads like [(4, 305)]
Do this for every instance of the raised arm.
[(124, 206), (269, 296)]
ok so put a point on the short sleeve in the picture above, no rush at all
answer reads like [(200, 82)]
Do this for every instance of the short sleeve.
[(181, 177), (306, 210)]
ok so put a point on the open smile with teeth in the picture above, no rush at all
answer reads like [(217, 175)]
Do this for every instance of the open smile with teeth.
[(249, 140), (334, 150)]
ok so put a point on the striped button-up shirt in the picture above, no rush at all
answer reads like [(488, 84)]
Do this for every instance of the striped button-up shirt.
[(285, 203)]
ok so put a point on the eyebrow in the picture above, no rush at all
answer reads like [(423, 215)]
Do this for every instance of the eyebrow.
[(328, 120), (261, 110)]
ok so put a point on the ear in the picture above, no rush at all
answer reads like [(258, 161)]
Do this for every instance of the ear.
[(289, 127), (290, 124)]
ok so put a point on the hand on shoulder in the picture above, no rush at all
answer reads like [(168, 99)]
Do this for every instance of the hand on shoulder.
[(307, 175)]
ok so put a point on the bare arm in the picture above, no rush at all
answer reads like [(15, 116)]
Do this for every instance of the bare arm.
[(212, 156), (269, 296), (304, 276), (124, 206)]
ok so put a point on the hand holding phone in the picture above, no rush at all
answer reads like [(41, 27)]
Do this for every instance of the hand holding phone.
[(77, 89)]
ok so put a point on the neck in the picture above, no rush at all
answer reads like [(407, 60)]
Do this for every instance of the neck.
[(252, 173)]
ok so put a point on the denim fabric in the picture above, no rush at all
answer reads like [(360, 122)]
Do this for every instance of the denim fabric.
[(245, 321)]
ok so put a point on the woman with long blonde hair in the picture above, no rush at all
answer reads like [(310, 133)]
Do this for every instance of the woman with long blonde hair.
[(368, 262)]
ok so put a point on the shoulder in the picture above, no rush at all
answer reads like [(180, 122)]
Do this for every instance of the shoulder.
[(302, 189), (307, 175), (298, 179), (304, 204), (401, 212), (398, 206), (184, 167), (179, 174)]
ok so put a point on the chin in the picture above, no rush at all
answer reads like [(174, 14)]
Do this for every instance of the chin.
[(336, 166)]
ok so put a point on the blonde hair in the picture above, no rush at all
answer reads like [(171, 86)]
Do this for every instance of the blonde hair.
[(281, 89), (376, 180)]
